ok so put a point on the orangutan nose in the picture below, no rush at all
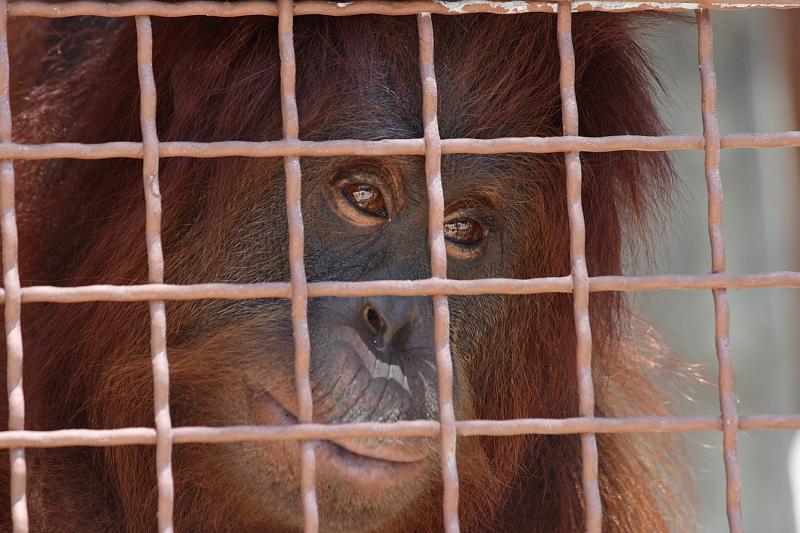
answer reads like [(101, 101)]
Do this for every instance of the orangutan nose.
[(394, 322)]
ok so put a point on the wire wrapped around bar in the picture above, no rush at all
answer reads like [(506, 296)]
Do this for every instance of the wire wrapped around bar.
[(11, 284)]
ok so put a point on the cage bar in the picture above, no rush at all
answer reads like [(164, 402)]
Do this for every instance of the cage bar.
[(299, 287), (413, 428), (421, 287), (11, 285), (28, 8), (155, 274), (727, 400), (441, 309), (344, 147), (580, 275)]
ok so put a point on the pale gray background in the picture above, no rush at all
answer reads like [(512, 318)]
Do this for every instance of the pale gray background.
[(762, 228)]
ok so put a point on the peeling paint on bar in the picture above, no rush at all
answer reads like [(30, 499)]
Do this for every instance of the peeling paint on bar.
[(634, 6), (518, 6), (508, 7), (611, 5), (35, 8), (756, 5)]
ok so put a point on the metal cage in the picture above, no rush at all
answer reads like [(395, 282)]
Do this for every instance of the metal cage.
[(164, 435)]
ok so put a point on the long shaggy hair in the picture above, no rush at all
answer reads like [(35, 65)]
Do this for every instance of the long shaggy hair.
[(82, 222)]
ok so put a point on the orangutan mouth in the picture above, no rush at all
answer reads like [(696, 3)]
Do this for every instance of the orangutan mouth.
[(375, 463)]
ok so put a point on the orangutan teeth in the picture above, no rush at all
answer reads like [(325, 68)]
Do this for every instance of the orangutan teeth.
[(390, 371)]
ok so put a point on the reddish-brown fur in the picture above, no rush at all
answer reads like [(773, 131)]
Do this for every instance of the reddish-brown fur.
[(88, 365)]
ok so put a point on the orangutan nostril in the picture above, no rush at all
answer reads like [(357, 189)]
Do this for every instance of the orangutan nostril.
[(375, 321)]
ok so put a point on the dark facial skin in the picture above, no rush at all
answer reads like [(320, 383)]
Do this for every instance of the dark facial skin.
[(372, 359)]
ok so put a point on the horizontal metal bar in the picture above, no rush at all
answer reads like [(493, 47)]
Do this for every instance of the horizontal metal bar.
[(788, 279), (345, 147), (423, 287), (413, 428), (263, 8)]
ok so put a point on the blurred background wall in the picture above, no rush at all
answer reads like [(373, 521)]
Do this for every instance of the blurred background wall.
[(756, 56)]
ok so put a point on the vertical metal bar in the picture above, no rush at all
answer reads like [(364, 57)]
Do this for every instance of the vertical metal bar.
[(155, 267), (11, 286), (580, 276), (441, 309), (302, 344), (727, 400)]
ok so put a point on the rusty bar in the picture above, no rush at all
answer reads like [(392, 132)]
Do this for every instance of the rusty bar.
[(11, 284), (155, 274), (727, 400), (411, 428), (438, 251), (530, 426), (786, 139), (421, 287), (345, 147), (299, 286), (26, 8), (580, 276), (572, 143), (694, 282)]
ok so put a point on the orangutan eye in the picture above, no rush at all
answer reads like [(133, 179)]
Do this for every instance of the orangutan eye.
[(365, 197), (463, 231)]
